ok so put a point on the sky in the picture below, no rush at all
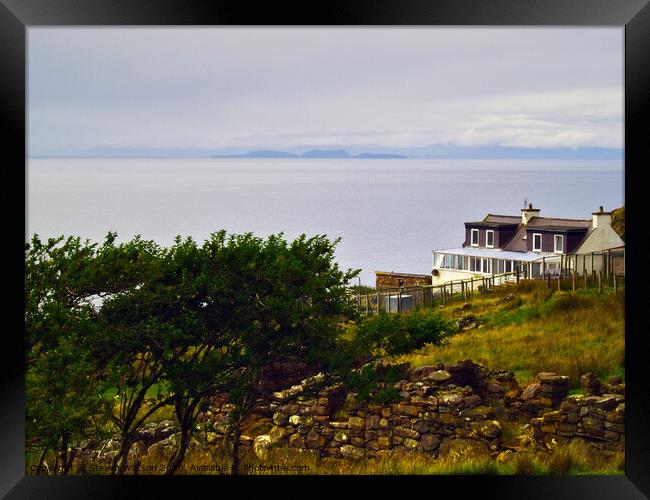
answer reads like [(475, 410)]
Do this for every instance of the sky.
[(254, 88)]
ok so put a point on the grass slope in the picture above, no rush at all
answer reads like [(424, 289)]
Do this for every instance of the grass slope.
[(539, 330)]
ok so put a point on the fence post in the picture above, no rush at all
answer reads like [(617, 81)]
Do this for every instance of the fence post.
[(573, 280), (585, 279), (377, 303), (615, 287), (559, 281), (399, 301), (548, 281), (517, 274), (389, 302), (600, 280)]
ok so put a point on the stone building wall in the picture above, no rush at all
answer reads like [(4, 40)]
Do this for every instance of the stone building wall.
[(384, 280)]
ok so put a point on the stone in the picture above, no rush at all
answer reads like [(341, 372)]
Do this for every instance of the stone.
[(421, 426), (294, 420), (445, 418), (354, 452), (356, 423), (606, 403), (371, 435), (590, 380), (296, 441), (429, 442), (421, 372), (410, 444), (319, 410), (479, 413), (261, 445), (592, 423), (566, 427), (572, 418), (405, 433), (569, 405), (490, 429), (278, 435), (403, 409), (383, 423), (615, 380), (461, 449), (384, 442), (372, 422), (505, 457), (468, 322), (342, 437), (280, 418), (614, 427), (551, 416), (494, 387), (386, 412), (372, 445), (439, 376), (314, 440)]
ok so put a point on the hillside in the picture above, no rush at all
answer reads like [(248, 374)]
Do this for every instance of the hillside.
[(530, 329), (618, 221)]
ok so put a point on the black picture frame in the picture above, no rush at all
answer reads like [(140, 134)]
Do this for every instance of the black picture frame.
[(634, 15)]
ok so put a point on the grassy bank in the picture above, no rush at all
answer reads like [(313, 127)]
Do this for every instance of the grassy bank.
[(537, 330)]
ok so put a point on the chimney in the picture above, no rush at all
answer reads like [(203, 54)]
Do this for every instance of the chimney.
[(601, 218), (528, 213)]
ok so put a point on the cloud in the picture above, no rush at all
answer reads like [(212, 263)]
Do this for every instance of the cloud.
[(398, 87)]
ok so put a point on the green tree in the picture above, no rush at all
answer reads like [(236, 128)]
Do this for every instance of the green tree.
[(65, 279)]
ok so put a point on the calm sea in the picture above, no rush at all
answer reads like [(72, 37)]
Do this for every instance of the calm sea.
[(390, 214)]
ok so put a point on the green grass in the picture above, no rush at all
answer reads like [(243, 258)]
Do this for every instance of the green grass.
[(541, 330)]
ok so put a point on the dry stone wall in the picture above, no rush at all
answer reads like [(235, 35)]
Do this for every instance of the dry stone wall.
[(597, 416), (446, 410)]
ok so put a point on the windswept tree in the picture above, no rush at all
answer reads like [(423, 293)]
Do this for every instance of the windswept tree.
[(65, 280), (176, 326)]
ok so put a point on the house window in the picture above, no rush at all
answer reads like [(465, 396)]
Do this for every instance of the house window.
[(489, 238), (537, 242), (558, 243), (461, 263), (486, 266), (474, 237)]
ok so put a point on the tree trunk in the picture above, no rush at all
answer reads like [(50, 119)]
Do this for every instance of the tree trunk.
[(177, 459), (69, 461), (235, 451), (39, 467), (120, 461)]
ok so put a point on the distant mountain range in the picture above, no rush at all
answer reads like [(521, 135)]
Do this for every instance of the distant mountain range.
[(313, 153), (433, 151)]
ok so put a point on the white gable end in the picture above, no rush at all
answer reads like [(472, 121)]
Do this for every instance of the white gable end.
[(602, 238)]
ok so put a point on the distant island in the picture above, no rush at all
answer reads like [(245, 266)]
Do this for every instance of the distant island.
[(435, 151), (314, 153)]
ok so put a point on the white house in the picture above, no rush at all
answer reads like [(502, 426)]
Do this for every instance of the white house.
[(532, 244)]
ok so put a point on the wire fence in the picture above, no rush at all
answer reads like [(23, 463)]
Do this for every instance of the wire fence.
[(571, 277)]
